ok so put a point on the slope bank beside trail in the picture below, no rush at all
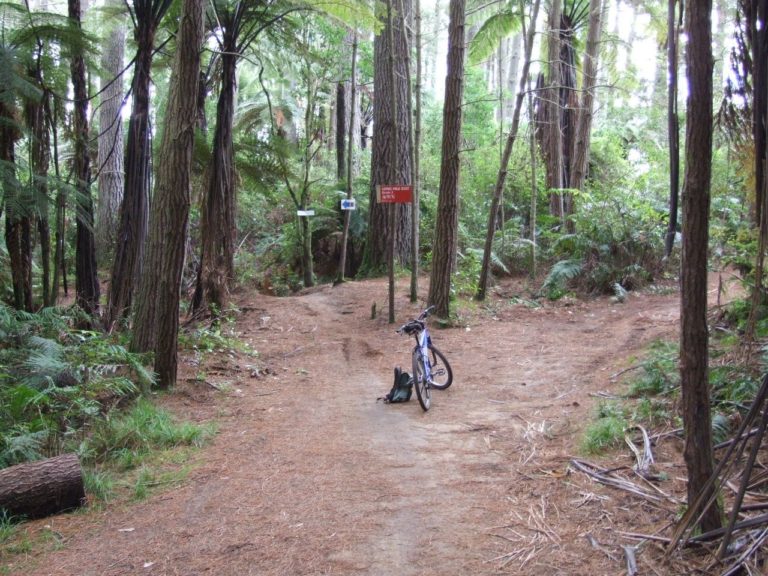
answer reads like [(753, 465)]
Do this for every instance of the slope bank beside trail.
[(309, 474)]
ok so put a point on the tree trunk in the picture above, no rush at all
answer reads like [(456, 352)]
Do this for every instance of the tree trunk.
[(86, 279), (17, 214), (157, 315), (59, 265), (18, 240), (485, 267), (307, 266), (341, 131), (111, 152), (446, 227), (553, 149), (416, 205), (134, 209), (534, 190), (42, 488), (40, 159), (375, 257), (694, 338), (393, 161), (759, 55), (673, 127), (580, 159), (350, 163), (217, 222), (516, 50)]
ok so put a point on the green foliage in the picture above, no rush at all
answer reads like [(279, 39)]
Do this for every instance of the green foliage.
[(99, 484), (606, 431), (55, 380), (653, 393), (659, 373), (559, 275), (220, 336), (127, 438), (497, 27), (612, 245), (7, 527)]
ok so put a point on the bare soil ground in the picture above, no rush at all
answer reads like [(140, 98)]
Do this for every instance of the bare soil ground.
[(310, 475)]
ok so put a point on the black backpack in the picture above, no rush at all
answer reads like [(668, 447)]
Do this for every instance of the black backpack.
[(401, 389)]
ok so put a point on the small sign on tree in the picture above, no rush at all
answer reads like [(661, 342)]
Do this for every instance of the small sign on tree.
[(394, 194), (348, 204)]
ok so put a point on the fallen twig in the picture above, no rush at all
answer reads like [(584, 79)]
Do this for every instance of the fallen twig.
[(597, 546), (740, 561), (620, 372), (638, 536), (642, 462), (600, 475), (629, 554)]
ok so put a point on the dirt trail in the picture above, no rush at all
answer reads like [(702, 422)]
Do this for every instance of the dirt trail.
[(310, 475)]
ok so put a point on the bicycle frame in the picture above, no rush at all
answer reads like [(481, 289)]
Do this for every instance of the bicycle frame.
[(423, 340)]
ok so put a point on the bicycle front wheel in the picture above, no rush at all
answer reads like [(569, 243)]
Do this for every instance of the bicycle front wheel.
[(420, 380), (441, 375)]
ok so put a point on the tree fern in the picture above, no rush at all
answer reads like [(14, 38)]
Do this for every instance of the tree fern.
[(491, 32)]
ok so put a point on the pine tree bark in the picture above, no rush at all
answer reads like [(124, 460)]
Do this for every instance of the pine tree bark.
[(694, 336), (673, 128), (157, 315), (86, 279), (447, 221), (39, 489), (111, 153), (416, 204), (759, 13), (382, 171)]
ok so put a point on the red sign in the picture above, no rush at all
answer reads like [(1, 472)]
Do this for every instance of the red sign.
[(389, 194)]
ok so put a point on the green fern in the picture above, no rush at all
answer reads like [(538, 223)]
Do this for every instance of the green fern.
[(21, 446), (492, 31), (559, 276)]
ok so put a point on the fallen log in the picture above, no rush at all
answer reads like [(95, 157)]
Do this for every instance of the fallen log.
[(42, 488)]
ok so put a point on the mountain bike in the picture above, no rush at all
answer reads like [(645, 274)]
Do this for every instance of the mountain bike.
[(430, 367)]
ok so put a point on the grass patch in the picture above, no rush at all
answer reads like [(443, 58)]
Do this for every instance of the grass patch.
[(606, 431), (7, 527), (652, 394), (126, 439)]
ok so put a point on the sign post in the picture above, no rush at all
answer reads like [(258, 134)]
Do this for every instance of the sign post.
[(348, 204)]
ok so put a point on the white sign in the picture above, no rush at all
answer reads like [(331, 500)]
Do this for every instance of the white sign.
[(305, 212), (348, 204)]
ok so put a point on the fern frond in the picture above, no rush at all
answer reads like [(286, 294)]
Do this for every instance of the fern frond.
[(350, 12), (561, 273), (491, 33), (23, 447)]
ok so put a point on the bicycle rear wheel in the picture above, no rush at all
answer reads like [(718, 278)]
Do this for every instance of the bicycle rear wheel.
[(441, 374), (420, 380)]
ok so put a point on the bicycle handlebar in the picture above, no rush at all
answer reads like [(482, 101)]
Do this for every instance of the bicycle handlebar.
[(424, 315), (416, 324)]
